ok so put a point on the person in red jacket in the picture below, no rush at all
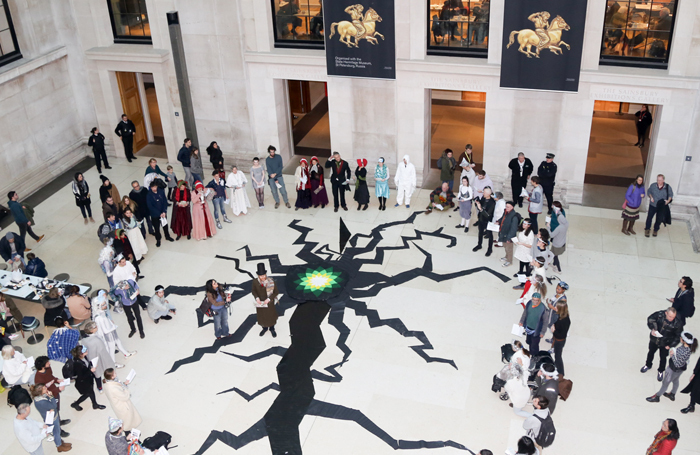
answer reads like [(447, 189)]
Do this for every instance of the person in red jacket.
[(666, 439)]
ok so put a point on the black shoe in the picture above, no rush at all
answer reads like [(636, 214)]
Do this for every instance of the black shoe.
[(132, 333), (670, 396), (358, 207), (169, 239), (636, 144), (644, 369), (489, 252), (108, 167), (133, 157), (156, 320), (476, 248), (345, 208), (189, 236), (76, 406), (365, 207), (690, 408), (166, 317), (459, 226), (158, 244), (660, 376), (64, 422), (64, 434), (143, 335), (518, 287), (653, 399), (140, 277), (272, 331), (466, 229), (475, 224), (178, 237), (262, 332), (335, 209), (456, 208), (99, 406)]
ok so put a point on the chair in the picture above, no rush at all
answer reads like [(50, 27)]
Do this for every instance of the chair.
[(62, 277), (3, 266), (30, 324), (89, 287), (18, 329)]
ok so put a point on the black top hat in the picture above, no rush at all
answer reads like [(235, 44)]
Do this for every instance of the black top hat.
[(261, 269)]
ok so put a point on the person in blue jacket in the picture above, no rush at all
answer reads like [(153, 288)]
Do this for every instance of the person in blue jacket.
[(218, 185), (35, 266), (17, 209), (183, 156), (158, 208)]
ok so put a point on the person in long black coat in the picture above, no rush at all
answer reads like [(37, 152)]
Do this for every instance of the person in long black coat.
[(84, 378), (693, 389), (518, 178), (361, 190), (643, 122)]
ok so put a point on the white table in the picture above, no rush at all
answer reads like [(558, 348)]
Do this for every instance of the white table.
[(28, 290)]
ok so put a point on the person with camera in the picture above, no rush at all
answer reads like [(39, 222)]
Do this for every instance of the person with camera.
[(219, 308)]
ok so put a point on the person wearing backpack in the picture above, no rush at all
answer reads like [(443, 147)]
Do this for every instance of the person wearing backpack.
[(539, 426), (84, 379)]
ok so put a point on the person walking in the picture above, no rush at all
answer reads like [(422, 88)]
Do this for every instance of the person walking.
[(81, 191), (302, 184), (547, 172), (447, 164), (509, 224), (405, 181), (684, 300), (127, 292), (181, 219), (361, 195), (216, 158), (97, 142), (45, 402), (558, 235), (666, 439), (196, 165), (126, 130), (158, 210), (120, 399), (633, 202), (532, 320), (274, 166), (665, 333), (536, 202), (521, 168), (643, 122), (183, 156), (29, 432), (264, 290), (257, 179), (660, 196), (203, 226), (106, 330), (219, 303), (678, 363), (24, 224), (465, 195), (236, 181), (98, 349), (381, 183), (319, 195), (485, 206), (84, 379), (340, 179), (218, 186)]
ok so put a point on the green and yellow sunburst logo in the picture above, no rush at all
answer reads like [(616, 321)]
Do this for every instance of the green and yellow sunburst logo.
[(317, 281)]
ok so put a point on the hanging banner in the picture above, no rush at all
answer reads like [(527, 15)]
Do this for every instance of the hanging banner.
[(542, 44), (360, 38)]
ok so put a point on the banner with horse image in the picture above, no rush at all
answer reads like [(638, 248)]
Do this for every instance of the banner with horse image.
[(360, 38), (542, 44)]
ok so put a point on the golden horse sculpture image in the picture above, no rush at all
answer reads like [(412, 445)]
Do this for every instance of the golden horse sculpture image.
[(528, 38), (366, 30)]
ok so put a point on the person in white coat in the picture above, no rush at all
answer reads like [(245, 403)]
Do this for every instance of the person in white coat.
[(15, 368), (236, 181), (405, 181), (124, 270), (120, 398), (106, 328)]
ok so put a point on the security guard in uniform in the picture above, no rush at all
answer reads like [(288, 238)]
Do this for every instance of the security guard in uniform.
[(547, 172), (125, 130)]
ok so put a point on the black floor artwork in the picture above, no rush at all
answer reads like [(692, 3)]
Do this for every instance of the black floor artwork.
[(328, 283)]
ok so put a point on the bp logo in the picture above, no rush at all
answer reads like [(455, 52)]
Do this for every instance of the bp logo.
[(319, 281)]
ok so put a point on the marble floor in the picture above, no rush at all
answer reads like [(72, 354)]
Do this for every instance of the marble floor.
[(612, 152), (616, 282)]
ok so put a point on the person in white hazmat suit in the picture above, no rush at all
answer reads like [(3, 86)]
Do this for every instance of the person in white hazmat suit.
[(405, 180)]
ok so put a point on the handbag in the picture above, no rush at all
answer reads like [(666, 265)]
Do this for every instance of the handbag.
[(624, 205), (205, 306)]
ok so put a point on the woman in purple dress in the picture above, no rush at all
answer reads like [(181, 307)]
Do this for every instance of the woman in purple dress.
[(318, 188)]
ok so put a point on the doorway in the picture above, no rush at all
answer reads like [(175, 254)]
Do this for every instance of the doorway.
[(614, 158), (308, 110), (140, 104)]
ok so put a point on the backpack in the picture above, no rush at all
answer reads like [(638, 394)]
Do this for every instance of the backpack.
[(498, 384), (545, 437), (67, 369), (507, 352), (158, 440), (18, 395), (565, 386), (205, 307)]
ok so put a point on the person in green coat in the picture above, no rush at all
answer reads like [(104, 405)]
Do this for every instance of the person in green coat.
[(447, 165)]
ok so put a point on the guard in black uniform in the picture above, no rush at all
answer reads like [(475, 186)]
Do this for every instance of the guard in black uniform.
[(547, 172), (97, 142), (126, 130), (521, 168)]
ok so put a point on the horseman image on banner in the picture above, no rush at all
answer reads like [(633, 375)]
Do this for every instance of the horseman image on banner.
[(361, 27), (545, 36)]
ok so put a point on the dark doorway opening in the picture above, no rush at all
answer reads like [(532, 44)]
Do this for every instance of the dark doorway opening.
[(308, 105), (457, 119)]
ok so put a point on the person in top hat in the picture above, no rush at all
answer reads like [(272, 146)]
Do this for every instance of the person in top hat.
[(265, 292), (547, 172)]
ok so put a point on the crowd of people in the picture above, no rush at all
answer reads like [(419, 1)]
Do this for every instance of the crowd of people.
[(85, 338)]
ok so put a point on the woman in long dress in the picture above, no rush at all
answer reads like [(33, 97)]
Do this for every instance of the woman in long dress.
[(239, 198), (303, 185), (464, 197), (361, 190), (133, 232), (319, 196), (381, 188), (202, 220), (181, 222)]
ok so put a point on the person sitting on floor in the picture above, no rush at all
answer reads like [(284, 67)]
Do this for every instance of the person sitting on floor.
[(440, 198), (159, 308)]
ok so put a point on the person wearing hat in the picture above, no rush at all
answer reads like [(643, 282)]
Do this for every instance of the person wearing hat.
[(240, 203), (302, 183), (319, 195), (181, 219), (361, 190), (340, 179), (532, 320), (381, 183), (115, 439), (120, 399), (547, 172), (264, 290), (97, 142), (12, 246), (84, 379), (107, 189), (274, 166), (203, 226), (158, 307), (678, 363), (521, 169)]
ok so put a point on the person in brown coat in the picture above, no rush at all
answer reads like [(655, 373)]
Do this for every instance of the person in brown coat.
[(78, 305), (265, 294)]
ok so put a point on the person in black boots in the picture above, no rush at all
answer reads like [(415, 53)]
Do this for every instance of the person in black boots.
[(485, 206), (521, 169), (84, 378), (97, 142), (684, 301), (264, 290), (547, 172), (340, 179), (693, 388), (158, 209), (665, 333), (361, 190), (643, 122), (126, 130)]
